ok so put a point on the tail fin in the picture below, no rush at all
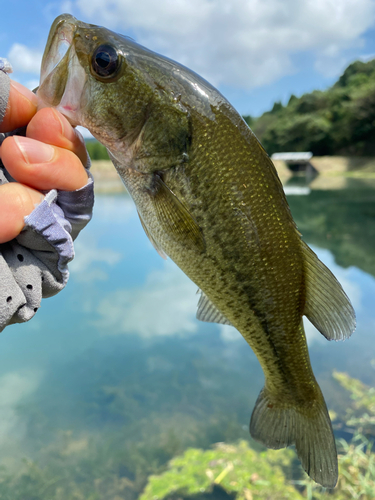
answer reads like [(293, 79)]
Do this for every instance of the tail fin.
[(276, 426)]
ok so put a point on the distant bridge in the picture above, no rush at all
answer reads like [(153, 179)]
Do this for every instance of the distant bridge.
[(297, 162)]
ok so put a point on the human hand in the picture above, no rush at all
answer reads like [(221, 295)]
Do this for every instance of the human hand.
[(51, 156)]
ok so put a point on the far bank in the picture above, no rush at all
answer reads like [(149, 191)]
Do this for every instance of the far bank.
[(332, 171)]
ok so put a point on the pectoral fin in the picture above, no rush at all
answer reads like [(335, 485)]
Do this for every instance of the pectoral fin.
[(208, 312), (327, 306), (150, 237), (176, 221)]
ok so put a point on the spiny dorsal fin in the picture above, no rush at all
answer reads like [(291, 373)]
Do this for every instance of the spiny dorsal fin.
[(209, 313), (175, 219), (149, 236), (327, 305)]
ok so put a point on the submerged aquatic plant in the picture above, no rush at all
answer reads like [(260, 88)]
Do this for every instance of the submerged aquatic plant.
[(236, 468), (356, 458), (361, 414), (248, 475), (103, 467)]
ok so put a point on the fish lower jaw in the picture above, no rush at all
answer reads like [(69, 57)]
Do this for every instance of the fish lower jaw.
[(70, 113)]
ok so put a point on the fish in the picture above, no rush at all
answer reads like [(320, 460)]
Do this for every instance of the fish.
[(209, 198)]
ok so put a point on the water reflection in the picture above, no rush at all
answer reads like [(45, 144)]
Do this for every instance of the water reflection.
[(117, 369), (339, 215)]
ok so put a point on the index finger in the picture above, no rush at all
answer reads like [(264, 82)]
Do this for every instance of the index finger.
[(22, 106)]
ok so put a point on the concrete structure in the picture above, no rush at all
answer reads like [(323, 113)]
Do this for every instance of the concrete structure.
[(297, 162)]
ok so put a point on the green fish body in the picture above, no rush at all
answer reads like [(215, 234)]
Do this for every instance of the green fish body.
[(209, 197)]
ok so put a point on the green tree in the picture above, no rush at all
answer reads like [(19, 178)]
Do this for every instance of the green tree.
[(96, 150), (340, 120)]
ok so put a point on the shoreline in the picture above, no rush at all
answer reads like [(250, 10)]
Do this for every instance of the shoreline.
[(334, 172)]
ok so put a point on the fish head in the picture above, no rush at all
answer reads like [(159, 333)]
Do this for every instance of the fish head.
[(113, 86), (86, 76)]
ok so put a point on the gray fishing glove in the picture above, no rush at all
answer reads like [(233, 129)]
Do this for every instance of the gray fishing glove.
[(35, 264)]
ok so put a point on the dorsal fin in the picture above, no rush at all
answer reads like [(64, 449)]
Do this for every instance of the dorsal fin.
[(209, 313), (327, 305)]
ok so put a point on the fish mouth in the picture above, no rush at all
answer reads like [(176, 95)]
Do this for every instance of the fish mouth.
[(58, 44), (62, 77)]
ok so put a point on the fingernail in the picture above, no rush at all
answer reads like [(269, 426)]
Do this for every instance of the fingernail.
[(59, 117), (34, 151), (66, 129), (25, 92)]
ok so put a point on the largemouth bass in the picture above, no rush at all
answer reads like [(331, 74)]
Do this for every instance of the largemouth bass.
[(209, 197)]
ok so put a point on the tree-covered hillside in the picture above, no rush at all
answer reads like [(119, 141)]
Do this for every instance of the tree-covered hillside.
[(338, 121)]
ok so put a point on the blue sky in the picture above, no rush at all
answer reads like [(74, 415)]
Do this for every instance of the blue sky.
[(255, 52)]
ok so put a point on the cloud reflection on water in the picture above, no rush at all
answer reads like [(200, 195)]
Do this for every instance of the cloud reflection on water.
[(15, 386), (164, 305)]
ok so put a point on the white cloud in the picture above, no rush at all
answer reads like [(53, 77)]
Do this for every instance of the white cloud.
[(242, 43), (367, 57), (66, 6), (313, 336), (229, 333), (87, 257), (165, 305), (32, 84), (14, 386), (91, 259), (345, 277), (24, 59), (119, 209)]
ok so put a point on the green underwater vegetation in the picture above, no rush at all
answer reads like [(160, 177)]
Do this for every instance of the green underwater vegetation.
[(101, 467), (232, 468), (249, 474)]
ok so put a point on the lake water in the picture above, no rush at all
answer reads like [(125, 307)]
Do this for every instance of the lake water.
[(114, 376)]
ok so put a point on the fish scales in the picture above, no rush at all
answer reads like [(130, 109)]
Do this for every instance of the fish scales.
[(209, 197), (246, 246)]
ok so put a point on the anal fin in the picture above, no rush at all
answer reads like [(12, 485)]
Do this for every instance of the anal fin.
[(209, 313)]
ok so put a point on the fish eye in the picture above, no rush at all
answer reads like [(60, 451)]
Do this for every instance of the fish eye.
[(105, 61)]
